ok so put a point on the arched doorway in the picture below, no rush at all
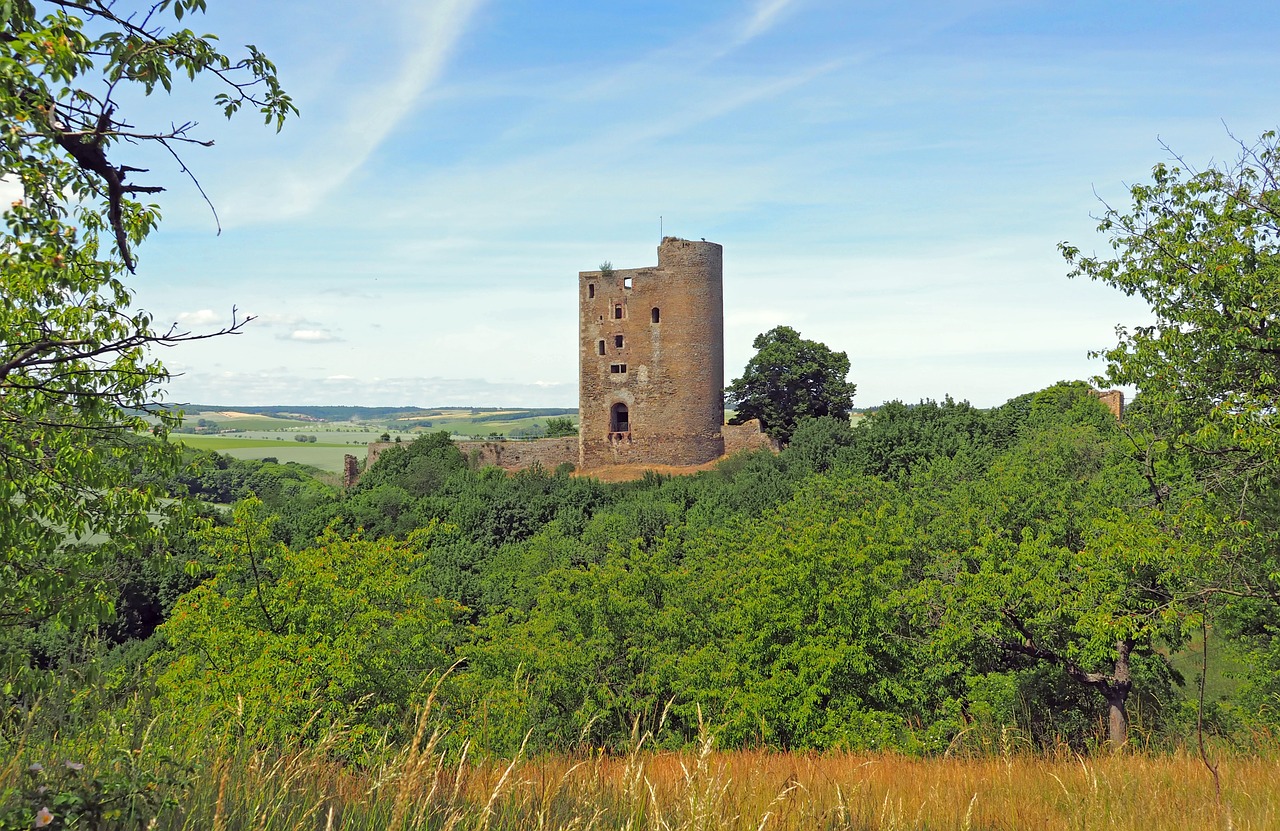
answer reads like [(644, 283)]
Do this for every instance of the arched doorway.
[(619, 419)]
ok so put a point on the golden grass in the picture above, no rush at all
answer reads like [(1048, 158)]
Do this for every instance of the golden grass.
[(754, 790), (424, 787), (241, 783)]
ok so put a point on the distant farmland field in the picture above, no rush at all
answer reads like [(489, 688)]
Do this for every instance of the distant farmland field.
[(259, 435), (323, 455), (231, 420)]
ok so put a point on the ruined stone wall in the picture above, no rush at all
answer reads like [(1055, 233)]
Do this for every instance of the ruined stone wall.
[(508, 455), (1114, 399), (551, 453), (748, 436), (518, 455), (376, 449), (651, 340)]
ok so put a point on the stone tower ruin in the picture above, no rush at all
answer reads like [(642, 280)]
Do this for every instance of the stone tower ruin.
[(651, 360)]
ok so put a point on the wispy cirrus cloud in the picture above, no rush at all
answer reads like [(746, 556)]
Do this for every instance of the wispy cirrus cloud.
[(764, 16), (359, 125)]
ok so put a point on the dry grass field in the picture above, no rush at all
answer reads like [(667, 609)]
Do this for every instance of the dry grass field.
[(229, 780), (706, 790), (754, 791)]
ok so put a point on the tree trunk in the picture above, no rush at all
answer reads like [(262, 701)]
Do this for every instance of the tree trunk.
[(1118, 720), (1114, 688), (1116, 691)]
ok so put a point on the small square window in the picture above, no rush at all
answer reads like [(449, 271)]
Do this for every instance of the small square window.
[(626, 282), (618, 369), (617, 341)]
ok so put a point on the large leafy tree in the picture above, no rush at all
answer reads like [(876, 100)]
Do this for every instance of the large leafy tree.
[(790, 378), (1202, 248), (76, 376), (1052, 558)]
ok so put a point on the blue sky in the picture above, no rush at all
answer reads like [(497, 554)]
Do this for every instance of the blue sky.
[(889, 178)]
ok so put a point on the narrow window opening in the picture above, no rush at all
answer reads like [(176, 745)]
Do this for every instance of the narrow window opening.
[(626, 282), (617, 341), (591, 289), (618, 369), (619, 419), (654, 316), (617, 311), (600, 346)]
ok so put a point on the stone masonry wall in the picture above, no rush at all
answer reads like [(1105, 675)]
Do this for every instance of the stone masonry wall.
[(651, 340), (748, 436), (1114, 399), (508, 455), (518, 455), (551, 453)]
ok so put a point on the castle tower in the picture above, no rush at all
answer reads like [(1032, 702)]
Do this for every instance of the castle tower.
[(651, 360)]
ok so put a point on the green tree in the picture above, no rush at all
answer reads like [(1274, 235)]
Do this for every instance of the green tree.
[(1056, 556), (790, 378), (342, 628), (558, 427), (898, 437), (1202, 248), (789, 628), (76, 379)]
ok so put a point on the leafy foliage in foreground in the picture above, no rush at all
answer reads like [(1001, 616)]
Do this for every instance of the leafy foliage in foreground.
[(293, 640), (76, 372), (1202, 248)]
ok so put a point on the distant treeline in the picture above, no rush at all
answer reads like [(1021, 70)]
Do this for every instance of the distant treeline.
[(516, 415)]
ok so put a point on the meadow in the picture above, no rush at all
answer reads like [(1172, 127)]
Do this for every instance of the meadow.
[(228, 783), (250, 435), (324, 455)]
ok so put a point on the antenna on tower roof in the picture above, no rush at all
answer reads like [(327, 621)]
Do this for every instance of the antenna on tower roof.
[(659, 227)]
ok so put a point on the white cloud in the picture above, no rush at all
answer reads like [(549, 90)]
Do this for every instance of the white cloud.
[(276, 319), (10, 192), (277, 385), (312, 336), (203, 317)]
